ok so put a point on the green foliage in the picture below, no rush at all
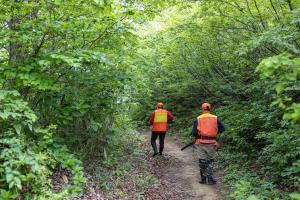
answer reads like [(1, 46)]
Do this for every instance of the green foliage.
[(246, 183), (243, 58), (66, 71), (124, 168), (27, 163), (14, 112), (76, 72), (295, 196), (279, 155), (283, 75)]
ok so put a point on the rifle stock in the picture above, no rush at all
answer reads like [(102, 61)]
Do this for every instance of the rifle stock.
[(186, 146), (190, 144)]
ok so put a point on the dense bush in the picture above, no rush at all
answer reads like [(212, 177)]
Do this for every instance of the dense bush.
[(66, 76), (243, 57), (29, 154), (74, 73)]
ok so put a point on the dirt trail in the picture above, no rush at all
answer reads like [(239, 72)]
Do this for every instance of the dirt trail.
[(185, 173)]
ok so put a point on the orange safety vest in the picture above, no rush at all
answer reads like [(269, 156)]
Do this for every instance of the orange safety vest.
[(160, 120), (207, 129)]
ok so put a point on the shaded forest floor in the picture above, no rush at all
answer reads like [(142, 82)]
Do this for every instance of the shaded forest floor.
[(174, 175)]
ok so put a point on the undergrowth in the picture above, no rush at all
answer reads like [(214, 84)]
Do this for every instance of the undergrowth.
[(122, 170), (258, 151)]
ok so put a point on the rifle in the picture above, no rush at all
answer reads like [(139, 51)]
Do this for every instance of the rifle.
[(191, 143), (186, 146)]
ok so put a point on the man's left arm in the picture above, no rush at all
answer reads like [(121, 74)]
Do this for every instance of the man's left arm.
[(221, 127), (194, 129), (170, 116)]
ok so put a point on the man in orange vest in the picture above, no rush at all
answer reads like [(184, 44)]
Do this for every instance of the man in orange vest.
[(205, 129), (159, 120)]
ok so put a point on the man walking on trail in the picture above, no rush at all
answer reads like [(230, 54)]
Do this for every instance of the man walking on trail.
[(205, 129), (159, 120)]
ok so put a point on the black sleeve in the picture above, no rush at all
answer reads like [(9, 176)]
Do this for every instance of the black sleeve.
[(195, 130), (221, 127)]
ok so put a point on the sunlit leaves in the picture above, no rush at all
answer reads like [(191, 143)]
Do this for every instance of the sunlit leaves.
[(283, 73), (14, 109)]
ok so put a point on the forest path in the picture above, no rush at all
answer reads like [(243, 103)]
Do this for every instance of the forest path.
[(185, 172)]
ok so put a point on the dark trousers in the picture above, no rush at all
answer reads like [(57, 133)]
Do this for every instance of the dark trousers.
[(161, 136)]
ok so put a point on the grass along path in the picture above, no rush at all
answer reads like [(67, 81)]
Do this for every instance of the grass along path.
[(173, 176)]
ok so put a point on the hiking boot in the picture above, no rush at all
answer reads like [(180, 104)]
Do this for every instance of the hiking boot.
[(211, 181), (203, 180), (154, 154)]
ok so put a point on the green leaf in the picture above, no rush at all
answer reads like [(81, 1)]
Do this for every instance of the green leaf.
[(9, 177), (295, 196), (4, 115), (18, 183), (279, 87), (253, 197), (18, 128)]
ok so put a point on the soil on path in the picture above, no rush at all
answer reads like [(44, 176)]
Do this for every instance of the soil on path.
[(182, 174)]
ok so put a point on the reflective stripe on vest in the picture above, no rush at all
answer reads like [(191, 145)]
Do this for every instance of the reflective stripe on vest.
[(207, 129), (160, 120)]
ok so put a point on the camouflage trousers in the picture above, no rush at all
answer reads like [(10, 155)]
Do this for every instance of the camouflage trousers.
[(206, 155)]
